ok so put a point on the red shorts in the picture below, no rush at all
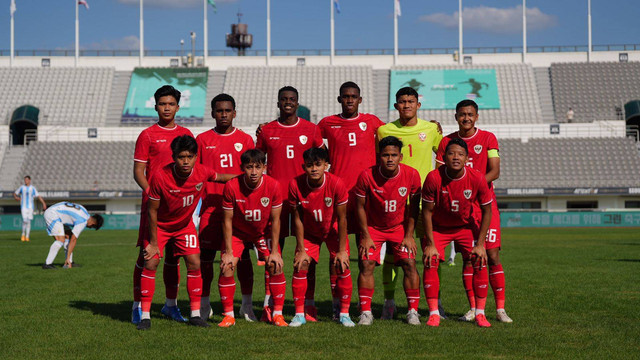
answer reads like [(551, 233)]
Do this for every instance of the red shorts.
[(312, 246), (211, 231), (239, 245), (493, 240), (143, 230), (393, 237), (463, 238), (184, 242)]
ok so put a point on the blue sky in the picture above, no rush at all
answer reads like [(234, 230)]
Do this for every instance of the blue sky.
[(304, 24)]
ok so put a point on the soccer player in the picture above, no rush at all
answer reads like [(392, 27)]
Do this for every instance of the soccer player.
[(319, 202), (220, 149), (252, 203), (388, 196), (173, 194), (25, 195), (351, 137), (152, 153), (485, 158), (74, 215), (420, 139), (450, 195), (284, 140)]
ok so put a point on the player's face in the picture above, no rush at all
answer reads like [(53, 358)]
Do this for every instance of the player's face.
[(455, 158), (167, 107), (288, 103), (390, 157), (253, 173), (407, 106), (315, 169), (350, 99), (466, 117), (223, 113), (185, 161), (27, 181)]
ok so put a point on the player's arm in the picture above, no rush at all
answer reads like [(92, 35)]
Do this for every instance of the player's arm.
[(274, 256), (72, 244), (301, 254), (428, 245), (15, 195), (341, 261), (479, 252), (365, 238), (493, 168), (438, 124), (139, 176), (411, 215), (226, 259), (44, 205), (152, 249), (223, 178)]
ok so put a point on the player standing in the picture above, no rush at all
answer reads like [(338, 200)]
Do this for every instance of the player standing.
[(25, 195), (153, 152), (173, 194), (420, 139), (484, 156), (319, 203), (451, 194), (252, 203), (388, 204), (220, 149)]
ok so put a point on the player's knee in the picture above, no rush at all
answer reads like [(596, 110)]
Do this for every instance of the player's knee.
[(152, 264), (193, 263), (493, 256), (367, 267), (408, 266)]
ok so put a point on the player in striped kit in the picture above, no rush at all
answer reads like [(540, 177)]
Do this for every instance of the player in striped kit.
[(25, 195)]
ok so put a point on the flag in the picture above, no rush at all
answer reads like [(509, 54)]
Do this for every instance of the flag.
[(397, 8), (83, 2), (336, 5), (213, 4), (12, 8)]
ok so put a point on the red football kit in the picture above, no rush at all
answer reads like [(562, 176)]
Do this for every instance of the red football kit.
[(386, 207), (221, 152), (284, 145)]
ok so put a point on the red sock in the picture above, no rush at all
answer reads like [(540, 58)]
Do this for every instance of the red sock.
[(278, 286), (365, 296), (311, 284), (345, 288), (194, 288), (206, 269), (496, 278), (137, 274), (480, 285), (147, 288), (267, 279), (171, 277), (431, 284), (413, 298), (245, 276), (299, 288), (467, 282), (227, 288), (333, 280)]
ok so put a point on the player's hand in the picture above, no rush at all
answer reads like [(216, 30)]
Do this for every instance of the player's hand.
[(341, 261), (300, 258), (430, 255), (363, 248), (226, 261), (439, 126), (259, 129), (150, 251), (274, 259), (409, 243), (479, 256), (44, 207), (67, 264)]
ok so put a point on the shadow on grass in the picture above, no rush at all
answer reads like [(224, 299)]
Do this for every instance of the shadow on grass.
[(628, 260), (120, 311)]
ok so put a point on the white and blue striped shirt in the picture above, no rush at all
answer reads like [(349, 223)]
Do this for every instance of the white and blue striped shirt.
[(27, 195), (71, 214)]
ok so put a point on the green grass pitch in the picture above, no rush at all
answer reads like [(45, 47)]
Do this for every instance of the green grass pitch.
[(572, 293)]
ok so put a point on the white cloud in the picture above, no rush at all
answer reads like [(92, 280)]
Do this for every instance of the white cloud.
[(493, 20), (172, 3), (130, 42)]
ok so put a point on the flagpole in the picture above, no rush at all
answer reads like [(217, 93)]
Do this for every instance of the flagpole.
[(142, 33), (333, 44), (459, 31), (524, 31), (589, 30), (77, 34), (206, 35), (395, 32), (268, 32), (11, 58)]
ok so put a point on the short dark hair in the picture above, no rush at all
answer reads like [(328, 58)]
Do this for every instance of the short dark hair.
[(184, 143), (27, 177), (314, 154), (253, 156), (167, 90), (223, 97), (459, 142), (99, 220), (406, 91), (465, 103), (390, 141), (349, 85), (288, 88)]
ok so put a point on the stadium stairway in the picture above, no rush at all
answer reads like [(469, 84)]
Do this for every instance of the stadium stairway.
[(11, 164), (215, 85), (381, 94), (119, 90), (543, 82)]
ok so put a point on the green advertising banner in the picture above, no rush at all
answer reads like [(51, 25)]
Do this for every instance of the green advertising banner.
[(443, 89), (192, 83)]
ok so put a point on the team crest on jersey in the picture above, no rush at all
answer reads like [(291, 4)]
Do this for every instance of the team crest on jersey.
[(328, 201), (237, 146), (363, 126), (199, 186), (467, 194), (477, 148), (264, 201), (402, 191), (422, 136), (303, 139)]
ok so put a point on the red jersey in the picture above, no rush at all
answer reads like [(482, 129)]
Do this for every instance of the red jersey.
[(455, 198), (221, 152), (352, 144), (284, 145), (251, 207), (178, 196), (387, 198), (153, 146), (318, 204), (478, 144)]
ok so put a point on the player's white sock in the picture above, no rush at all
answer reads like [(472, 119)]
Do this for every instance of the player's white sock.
[(266, 300), (24, 228), (171, 302), (452, 254), (247, 300), (479, 311), (28, 229), (145, 315), (136, 304), (230, 313), (66, 251), (53, 251), (310, 302), (195, 313), (278, 312), (434, 312)]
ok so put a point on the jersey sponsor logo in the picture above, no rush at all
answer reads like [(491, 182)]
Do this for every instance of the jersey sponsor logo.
[(477, 148), (402, 191), (467, 194), (336, 126), (240, 200), (363, 126), (161, 140), (237, 146), (199, 186), (210, 147), (328, 201), (274, 138), (264, 201), (445, 192), (303, 139), (422, 136), (174, 191), (378, 191)]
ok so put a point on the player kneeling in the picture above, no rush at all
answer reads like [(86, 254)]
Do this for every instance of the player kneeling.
[(449, 195), (252, 203), (173, 194), (320, 200), (388, 201)]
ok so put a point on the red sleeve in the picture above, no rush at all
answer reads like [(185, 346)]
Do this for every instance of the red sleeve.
[(430, 188), (377, 123), (341, 196), (200, 146), (440, 153), (415, 182), (227, 197), (260, 142), (317, 138), (293, 193), (276, 197), (322, 127), (249, 144), (361, 188), (141, 153), (484, 195), (492, 142), (155, 189)]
